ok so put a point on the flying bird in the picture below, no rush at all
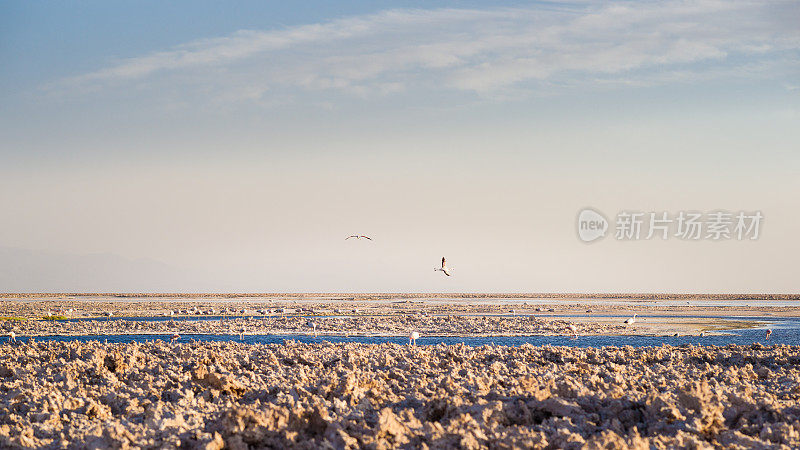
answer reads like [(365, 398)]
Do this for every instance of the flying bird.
[(357, 236), (443, 268)]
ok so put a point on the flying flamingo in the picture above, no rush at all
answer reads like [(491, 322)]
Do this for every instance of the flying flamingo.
[(412, 338), (631, 321), (443, 268), (358, 236)]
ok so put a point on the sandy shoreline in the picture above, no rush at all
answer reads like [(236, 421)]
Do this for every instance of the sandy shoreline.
[(230, 395)]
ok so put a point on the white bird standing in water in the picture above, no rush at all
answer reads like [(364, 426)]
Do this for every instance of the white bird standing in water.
[(313, 325), (12, 337), (769, 333), (574, 330), (412, 338), (631, 321), (241, 333), (175, 337), (443, 268)]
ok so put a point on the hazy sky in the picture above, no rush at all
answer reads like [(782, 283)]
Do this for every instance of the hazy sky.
[(185, 146)]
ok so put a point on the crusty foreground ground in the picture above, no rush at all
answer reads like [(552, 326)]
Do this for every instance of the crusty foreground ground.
[(238, 396)]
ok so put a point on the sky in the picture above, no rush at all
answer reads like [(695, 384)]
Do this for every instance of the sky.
[(204, 146)]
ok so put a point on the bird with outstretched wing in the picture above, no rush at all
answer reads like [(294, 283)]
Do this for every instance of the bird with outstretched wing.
[(444, 267)]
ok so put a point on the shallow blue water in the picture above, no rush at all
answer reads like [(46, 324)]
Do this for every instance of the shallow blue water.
[(157, 318)]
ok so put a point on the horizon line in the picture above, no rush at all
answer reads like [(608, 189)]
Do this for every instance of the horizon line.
[(610, 295)]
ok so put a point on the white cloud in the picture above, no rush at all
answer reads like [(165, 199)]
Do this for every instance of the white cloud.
[(482, 51)]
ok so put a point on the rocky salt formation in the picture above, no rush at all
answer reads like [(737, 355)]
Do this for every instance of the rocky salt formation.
[(397, 325), (237, 396)]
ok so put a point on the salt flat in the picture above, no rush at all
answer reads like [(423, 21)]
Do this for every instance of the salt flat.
[(238, 396)]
